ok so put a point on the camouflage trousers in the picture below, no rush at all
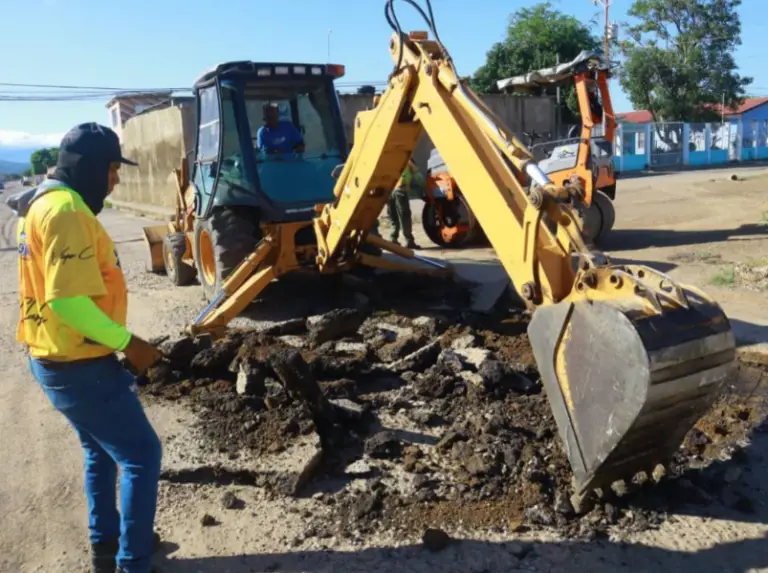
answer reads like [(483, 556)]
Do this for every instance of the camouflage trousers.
[(399, 212)]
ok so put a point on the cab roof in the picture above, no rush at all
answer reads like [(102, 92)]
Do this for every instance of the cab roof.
[(269, 70)]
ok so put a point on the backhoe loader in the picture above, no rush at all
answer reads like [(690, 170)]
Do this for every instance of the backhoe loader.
[(629, 359), (231, 194), (584, 159)]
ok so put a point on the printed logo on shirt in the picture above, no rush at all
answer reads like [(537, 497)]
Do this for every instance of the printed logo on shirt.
[(23, 247)]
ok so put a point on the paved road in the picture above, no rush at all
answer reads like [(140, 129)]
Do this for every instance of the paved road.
[(43, 517)]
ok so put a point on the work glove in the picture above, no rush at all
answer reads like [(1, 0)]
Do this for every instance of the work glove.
[(141, 355)]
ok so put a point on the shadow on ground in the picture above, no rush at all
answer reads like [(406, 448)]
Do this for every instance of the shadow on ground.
[(636, 239), (470, 556), (691, 169), (749, 333)]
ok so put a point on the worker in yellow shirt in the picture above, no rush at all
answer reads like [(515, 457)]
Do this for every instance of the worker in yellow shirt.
[(74, 302)]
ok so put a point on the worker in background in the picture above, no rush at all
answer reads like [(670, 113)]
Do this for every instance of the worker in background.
[(276, 135), (74, 303), (399, 207)]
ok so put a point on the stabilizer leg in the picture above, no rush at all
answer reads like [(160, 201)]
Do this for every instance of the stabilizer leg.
[(244, 284), (433, 268)]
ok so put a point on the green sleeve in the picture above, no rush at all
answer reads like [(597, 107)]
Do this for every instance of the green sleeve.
[(82, 315)]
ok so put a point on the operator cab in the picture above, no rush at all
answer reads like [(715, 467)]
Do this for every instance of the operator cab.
[(268, 137)]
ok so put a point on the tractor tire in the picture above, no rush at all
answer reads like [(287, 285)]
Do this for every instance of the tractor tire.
[(607, 210), (431, 224), (222, 242), (610, 190), (597, 219), (180, 272)]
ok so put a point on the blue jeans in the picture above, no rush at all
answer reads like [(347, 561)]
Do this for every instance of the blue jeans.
[(99, 399)]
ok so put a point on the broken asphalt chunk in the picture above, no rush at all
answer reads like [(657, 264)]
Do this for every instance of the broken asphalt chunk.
[(422, 359), (335, 324)]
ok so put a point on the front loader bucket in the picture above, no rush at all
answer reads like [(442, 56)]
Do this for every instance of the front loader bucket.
[(625, 390), (153, 237)]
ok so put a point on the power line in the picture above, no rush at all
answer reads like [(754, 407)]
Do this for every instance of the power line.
[(92, 88)]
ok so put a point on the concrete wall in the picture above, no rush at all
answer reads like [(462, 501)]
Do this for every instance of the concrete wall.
[(518, 113), (157, 141)]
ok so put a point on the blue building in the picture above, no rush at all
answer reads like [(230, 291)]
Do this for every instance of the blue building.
[(753, 117), (740, 135)]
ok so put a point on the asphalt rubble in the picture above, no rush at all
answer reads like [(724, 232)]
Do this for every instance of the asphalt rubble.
[(428, 418)]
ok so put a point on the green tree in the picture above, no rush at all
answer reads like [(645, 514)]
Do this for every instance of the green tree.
[(535, 38), (679, 60), (44, 158)]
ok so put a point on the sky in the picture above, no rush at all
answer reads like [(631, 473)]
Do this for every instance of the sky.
[(169, 43)]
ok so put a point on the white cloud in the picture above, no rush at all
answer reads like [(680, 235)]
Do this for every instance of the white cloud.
[(21, 139)]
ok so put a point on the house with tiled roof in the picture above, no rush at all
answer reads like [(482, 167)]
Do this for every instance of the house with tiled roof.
[(641, 116), (740, 135), (751, 107)]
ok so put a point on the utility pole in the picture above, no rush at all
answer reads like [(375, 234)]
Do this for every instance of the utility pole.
[(559, 117), (608, 36), (606, 28), (722, 111), (330, 31)]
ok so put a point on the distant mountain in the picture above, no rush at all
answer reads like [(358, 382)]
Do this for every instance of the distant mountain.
[(16, 154), (8, 167)]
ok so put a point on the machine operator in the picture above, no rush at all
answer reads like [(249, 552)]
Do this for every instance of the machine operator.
[(276, 135)]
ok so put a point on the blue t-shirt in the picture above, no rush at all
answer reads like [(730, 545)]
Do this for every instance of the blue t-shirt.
[(282, 138)]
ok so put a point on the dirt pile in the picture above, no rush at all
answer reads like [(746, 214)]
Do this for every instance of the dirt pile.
[(431, 420)]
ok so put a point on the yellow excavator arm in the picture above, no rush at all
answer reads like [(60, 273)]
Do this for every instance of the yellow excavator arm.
[(629, 359)]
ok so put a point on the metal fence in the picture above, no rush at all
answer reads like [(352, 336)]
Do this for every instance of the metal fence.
[(675, 144)]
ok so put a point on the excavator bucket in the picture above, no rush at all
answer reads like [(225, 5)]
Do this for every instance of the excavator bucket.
[(626, 386), (153, 237)]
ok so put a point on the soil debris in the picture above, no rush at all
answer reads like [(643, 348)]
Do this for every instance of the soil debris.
[(425, 421)]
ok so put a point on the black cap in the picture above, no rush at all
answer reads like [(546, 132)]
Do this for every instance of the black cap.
[(94, 140)]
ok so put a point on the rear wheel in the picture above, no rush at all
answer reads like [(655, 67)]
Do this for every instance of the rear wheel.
[(598, 218), (604, 203), (610, 190), (221, 243), (180, 272), (450, 224)]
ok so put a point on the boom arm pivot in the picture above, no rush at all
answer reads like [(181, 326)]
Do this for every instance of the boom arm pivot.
[(486, 161)]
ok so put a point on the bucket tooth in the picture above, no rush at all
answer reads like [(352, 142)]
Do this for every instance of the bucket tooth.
[(625, 388)]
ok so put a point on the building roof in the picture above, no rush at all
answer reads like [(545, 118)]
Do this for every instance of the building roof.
[(644, 116), (641, 116), (140, 97), (749, 103)]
